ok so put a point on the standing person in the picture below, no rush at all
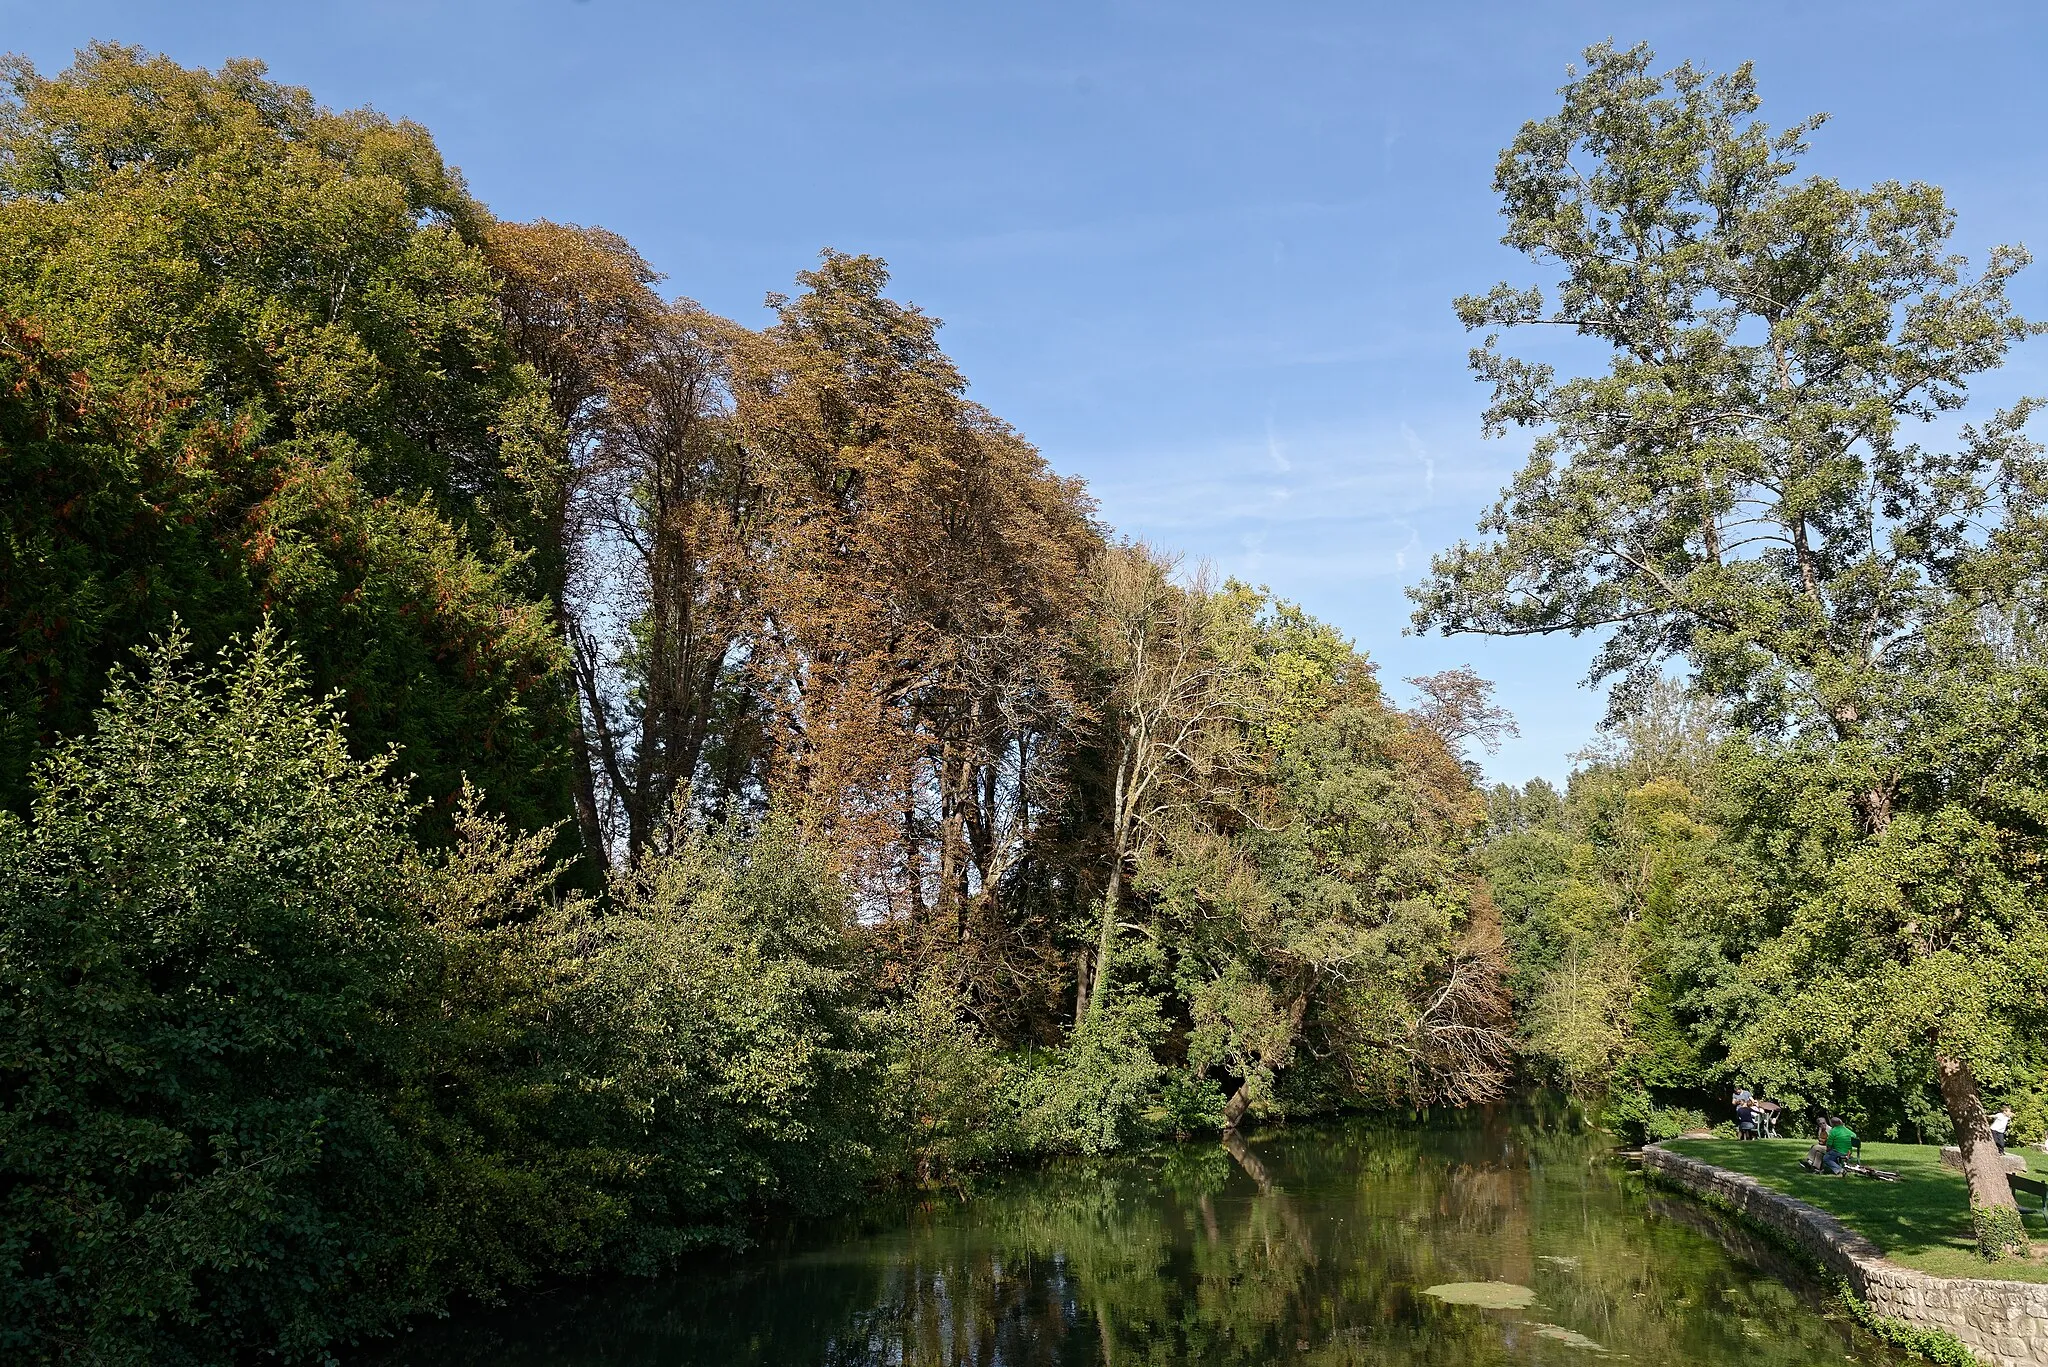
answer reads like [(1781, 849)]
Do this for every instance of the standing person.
[(1744, 1102), (1999, 1124)]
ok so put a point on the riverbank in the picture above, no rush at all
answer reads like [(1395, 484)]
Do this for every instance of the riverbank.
[(1921, 1221), (2002, 1322)]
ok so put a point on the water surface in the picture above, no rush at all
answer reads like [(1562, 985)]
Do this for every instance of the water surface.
[(1314, 1246)]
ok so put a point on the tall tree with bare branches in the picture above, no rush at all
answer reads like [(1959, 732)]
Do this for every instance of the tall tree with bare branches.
[(1171, 706), (578, 306)]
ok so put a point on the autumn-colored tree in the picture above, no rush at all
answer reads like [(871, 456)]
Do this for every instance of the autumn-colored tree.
[(579, 307), (675, 554), (923, 566), (1458, 706)]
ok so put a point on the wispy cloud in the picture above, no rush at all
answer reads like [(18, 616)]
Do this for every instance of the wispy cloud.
[(1273, 452)]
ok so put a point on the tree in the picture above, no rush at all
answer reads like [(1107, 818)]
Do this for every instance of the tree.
[(1458, 705), (1916, 951), (1309, 896), (288, 349), (579, 307), (673, 557), (96, 545), (1739, 489), (1171, 707), (919, 570)]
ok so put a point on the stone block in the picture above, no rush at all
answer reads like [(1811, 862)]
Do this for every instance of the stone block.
[(1951, 1156)]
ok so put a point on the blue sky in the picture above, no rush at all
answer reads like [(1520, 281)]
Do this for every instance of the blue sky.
[(1202, 254)]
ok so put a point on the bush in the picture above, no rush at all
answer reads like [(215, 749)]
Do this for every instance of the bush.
[(1103, 1090), (738, 1061), (270, 1079), (206, 933), (502, 1101), (1637, 1120), (1189, 1106), (1999, 1231), (943, 1086)]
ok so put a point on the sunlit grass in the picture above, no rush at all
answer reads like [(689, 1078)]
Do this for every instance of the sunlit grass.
[(1922, 1220)]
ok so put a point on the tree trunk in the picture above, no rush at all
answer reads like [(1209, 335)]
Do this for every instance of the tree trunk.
[(1106, 946), (1875, 808), (1234, 1109), (1120, 834), (1874, 804), (949, 843), (582, 771), (1080, 988), (1241, 1099), (1982, 1164), (583, 792)]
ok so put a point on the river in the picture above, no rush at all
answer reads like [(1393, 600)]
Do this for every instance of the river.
[(1314, 1245)]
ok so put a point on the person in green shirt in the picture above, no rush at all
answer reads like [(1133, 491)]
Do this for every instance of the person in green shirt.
[(1841, 1143)]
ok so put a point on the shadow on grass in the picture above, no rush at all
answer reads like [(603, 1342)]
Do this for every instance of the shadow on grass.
[(1921, 1220)]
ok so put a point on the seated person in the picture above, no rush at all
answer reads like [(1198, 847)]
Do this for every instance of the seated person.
[(1841, 1142)]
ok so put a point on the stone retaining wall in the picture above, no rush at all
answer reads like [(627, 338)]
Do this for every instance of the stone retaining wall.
[(2005, 1323)]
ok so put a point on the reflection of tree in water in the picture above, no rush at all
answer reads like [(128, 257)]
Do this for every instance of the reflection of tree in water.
[(1310, 1246)]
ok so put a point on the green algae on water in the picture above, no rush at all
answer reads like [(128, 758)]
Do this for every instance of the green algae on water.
[(1485, 1295), (1571, 1338)]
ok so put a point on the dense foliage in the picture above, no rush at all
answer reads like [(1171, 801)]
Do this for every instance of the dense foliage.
[(1697, 910), (253, 366), (505, 774), (206, 952), (1741, 494)]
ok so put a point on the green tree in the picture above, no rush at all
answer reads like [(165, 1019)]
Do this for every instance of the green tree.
[(1313, 902), (728, 966), (1172, 697), (286, 372), (603, 1085), (1918, 950), (1740, 489)]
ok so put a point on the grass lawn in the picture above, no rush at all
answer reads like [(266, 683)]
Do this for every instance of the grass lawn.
[(1921, 1220)]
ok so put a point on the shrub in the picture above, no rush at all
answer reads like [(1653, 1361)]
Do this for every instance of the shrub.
[(943, 1086), (270, 1079), (206, 930), (1636, 1119), (1103, 1089), (736, 1061), (523, 1172), (1999, 1231)]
